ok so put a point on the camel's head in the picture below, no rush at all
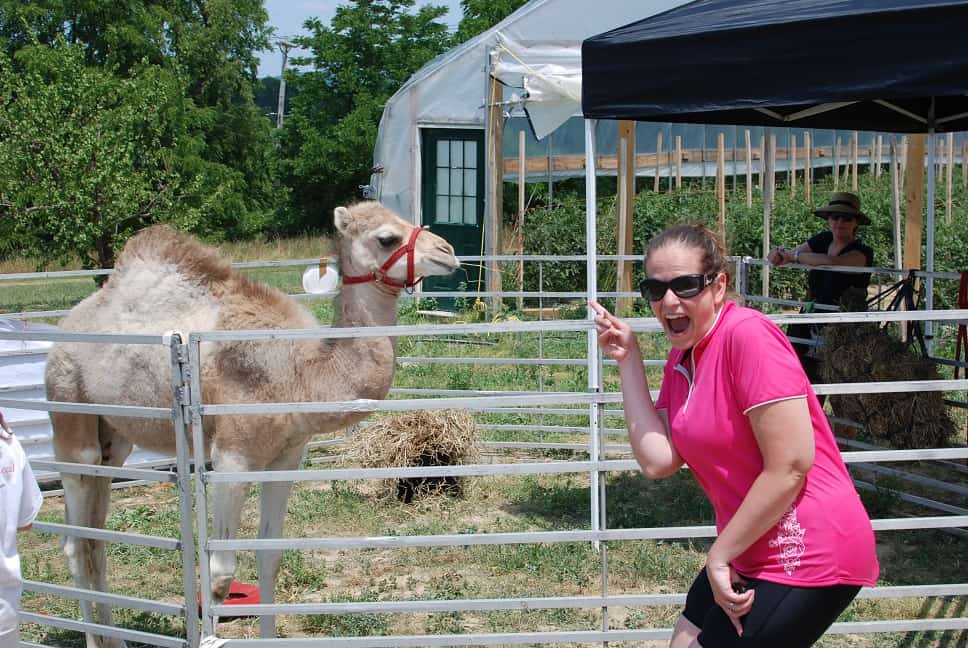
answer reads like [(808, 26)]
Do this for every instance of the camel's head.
[(380, 246)]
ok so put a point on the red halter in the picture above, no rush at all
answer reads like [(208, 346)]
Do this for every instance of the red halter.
[(381, 276)]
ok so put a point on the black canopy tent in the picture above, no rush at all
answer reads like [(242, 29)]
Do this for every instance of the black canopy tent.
[(888, 65)]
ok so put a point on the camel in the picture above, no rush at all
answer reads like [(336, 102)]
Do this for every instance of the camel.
[(164, 281)]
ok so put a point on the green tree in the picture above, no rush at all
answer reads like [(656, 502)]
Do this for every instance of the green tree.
[(225, 153), (86, 156), (370, 48), (481, 15)]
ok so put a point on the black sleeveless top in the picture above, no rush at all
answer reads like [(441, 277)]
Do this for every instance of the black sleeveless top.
[(827, 286)]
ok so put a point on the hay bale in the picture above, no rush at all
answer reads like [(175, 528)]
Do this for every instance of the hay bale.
[(421, 438), (868, 353)]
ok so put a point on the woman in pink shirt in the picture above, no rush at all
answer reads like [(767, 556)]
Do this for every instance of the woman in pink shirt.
[(794, 542)]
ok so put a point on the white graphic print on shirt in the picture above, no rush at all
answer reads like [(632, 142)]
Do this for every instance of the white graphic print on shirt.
[(789, 539)]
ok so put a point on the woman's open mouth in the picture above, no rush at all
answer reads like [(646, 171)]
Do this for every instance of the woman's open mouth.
[(677, 324)]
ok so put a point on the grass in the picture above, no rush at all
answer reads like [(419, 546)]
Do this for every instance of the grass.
[(491, 505)]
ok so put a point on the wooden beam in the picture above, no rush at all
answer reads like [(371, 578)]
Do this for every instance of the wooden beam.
[(749, 170), (807, 166), (878, 156), (949, 173), (914, 200), (658, 161), (721, 181), (768, 190), (625, 210), (495, 186), (793, 164), (853, 161), (837, 164), (762, 162), (678, 162)]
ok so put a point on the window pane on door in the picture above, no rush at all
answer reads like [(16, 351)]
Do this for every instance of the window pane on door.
[(456, 191), (443, 181), (443, 209)]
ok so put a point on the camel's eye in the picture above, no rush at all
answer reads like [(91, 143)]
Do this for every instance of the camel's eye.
[(389, 240)]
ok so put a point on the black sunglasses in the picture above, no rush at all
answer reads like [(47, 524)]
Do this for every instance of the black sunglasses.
[(683, 286), (839, 216)]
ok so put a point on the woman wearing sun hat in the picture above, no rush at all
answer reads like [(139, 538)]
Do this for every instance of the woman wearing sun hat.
[(840, 246)]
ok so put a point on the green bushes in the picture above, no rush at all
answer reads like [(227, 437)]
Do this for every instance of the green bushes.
[(560, 230)]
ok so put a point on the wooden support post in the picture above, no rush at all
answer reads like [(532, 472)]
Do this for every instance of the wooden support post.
[(853, 162), (721, 180), (894, 167), (678, 162), (837, 164), (914, 200), (793, 164), (625, 209), (749, 170), (807, 166), (768, 190), (762, 162), (902, 159), (964, 163), (877, 159), (658, 161), (522, 168), (495, 187), (771, 172), (949, 172)]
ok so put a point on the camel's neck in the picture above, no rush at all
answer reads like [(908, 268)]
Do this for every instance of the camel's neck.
[(357, 367), (365, 304)]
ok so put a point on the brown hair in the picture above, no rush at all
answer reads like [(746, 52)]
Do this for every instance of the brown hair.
[(698, 237)]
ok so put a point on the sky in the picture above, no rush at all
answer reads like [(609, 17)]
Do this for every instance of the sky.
[(288, 16)]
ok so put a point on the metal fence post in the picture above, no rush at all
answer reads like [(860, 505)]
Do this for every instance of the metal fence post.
[(179, 379)]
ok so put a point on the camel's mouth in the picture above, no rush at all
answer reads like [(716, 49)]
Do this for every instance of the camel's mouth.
[(447, 264)]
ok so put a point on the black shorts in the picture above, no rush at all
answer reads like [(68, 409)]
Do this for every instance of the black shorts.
[(782, 615)]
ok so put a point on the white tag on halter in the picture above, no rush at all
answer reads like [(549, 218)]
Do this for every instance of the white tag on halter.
[(316, 281)]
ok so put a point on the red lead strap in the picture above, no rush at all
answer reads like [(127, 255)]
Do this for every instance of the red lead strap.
[(381, 274)]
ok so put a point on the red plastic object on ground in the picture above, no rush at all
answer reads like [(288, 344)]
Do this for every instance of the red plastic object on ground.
[(239, 594)]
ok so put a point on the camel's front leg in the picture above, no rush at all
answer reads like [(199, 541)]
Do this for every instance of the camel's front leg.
[(227, 501), (275, 496), (78, 439)]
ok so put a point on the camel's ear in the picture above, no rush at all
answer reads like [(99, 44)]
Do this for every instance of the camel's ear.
[(342, 218)]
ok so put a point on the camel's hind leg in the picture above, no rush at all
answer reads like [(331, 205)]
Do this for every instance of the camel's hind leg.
[(272, 515), (83, 438)]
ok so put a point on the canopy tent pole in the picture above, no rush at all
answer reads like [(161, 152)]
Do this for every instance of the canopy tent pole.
[(594, 359), (494, 201)]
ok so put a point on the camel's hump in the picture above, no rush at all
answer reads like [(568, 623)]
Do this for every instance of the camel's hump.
[(165, 245)]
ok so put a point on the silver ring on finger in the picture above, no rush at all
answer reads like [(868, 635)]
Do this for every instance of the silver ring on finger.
[(732, 606)]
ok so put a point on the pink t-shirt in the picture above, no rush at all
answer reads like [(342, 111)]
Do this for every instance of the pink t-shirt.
[(745, 360)]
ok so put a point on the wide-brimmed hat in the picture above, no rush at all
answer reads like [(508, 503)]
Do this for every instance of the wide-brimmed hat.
[(843, 202)]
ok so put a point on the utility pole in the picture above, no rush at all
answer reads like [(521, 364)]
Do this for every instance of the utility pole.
[(284, 45)]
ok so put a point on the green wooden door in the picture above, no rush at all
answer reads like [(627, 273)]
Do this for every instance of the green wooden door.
[(453, 200)]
